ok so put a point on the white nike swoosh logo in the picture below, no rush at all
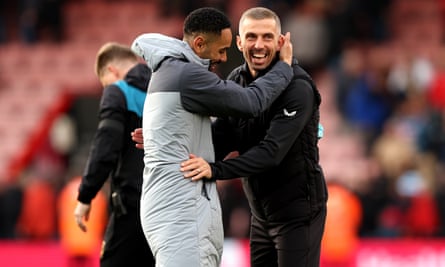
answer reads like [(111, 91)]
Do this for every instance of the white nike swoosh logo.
[(289, 114)]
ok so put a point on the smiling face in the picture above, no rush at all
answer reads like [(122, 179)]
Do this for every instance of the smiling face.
[(259, 40), (209, 46), (207, 31)]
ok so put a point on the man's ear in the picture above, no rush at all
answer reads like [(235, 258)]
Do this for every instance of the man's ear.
[(199, 43), (280, 41), (238, 43), (113, 69)]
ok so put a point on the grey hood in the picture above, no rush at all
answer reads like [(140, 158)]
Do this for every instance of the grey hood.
[(155, 47)]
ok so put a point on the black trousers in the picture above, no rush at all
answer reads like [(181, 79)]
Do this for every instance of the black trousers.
[(124, 242), (291, 243)]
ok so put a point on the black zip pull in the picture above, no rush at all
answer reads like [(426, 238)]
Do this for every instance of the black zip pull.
[(204, 191)]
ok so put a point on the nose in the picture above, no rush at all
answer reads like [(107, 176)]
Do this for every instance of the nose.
[(259, 43)]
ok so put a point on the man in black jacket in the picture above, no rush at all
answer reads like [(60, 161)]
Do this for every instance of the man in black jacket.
[(112, 153), (284, 182)]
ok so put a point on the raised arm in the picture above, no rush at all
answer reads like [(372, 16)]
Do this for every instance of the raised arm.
[(207, 94)]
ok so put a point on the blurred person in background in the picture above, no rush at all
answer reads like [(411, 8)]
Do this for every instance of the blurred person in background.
[(81, 248), (369, 102), (182, 219), (38, 201), (3, 22), (306, 20), (285, 184), (112, 153), (341, 237), (11, 200), (40, 20), (386, 100)]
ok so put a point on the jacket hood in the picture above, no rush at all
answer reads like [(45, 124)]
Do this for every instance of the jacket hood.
[(155, 47), (139, 76)]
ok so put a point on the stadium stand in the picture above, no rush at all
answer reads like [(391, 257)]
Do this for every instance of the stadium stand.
[(37, 79)]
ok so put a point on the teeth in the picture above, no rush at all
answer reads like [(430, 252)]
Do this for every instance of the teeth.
[(259, 55)]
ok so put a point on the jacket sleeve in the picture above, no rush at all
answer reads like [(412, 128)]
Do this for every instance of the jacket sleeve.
[(205, 93), (106, 145), (291, 112)]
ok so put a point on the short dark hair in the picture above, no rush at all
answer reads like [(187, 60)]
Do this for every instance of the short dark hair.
[(205, 20)]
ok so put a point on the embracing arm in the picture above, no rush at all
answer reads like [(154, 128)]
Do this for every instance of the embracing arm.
[(288, 121), (205, 93), (209, 95)]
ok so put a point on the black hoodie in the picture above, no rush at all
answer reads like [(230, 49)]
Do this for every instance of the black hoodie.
[(278, 150), (113, 153)]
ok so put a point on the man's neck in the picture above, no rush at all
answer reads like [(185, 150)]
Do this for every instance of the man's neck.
[(253, 72)]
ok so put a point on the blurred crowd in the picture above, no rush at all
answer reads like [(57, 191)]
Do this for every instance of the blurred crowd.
[(389, 92), (380, 66), (31, 20)]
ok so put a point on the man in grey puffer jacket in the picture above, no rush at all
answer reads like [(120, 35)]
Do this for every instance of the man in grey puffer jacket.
[(182, 219)]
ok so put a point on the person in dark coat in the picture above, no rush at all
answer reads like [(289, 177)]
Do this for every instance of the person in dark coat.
[(113, 154)]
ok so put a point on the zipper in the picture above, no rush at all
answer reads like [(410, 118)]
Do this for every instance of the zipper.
[(204, 191)]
